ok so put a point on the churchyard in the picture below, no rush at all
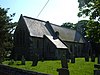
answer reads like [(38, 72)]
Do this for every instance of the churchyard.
[(80, 67)]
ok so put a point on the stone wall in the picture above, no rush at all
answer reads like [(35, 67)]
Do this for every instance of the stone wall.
[(7, 70)]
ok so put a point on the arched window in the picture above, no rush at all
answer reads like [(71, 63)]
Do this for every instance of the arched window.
[(37, 43), (71, 48)]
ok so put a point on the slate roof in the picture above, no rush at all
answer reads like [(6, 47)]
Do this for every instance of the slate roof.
[(38, 28), (68, 34), (56, 42), (65, 34)]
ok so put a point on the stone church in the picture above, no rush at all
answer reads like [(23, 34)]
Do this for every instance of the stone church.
[(45, 39)]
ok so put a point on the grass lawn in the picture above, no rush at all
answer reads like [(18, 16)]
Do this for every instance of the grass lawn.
[(80, 67)]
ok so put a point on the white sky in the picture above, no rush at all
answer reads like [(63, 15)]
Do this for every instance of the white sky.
[(56, 11)]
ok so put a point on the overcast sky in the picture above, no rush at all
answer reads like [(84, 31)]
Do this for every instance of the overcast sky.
[(56, 11)]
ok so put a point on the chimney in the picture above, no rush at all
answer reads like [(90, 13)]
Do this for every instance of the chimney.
[(50, 29)]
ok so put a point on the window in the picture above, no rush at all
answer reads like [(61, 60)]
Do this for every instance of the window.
[(22, 37), (37, 43), (71, 48)]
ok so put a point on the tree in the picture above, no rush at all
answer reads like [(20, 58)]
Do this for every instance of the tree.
[(93, 31), (81, 27), (68, 25), (5, 31), (91, 8)]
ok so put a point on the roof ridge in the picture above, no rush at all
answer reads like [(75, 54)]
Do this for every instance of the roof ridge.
[(40, 20), (62, 27), (49, 22), (68, 28), (34, 18)]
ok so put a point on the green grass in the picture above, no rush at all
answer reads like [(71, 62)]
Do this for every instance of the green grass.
[(80, 67)]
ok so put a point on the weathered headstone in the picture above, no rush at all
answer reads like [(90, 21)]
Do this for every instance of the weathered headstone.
[(87, 57), (64, 70), (93, 58), (1, 55), (11, 62), (35, 59), (1, 59), (96, 72), (72, 58), (96, 69), (64, 62), (73, 55), (42, 59), (87, 53), (99, 59), (97, 66), (23, 60), (87, 48)]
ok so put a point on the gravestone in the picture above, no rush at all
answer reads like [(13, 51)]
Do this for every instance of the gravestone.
[(99, 59), (86, 50), (97, 66), (35, 59), (1, 55), (64, 63), (93, 58), (96, 72), (96, 69), (11, 62), (1, 59), (72, 58), (87, 57), (63, 71), (23, 60), (87, 54), (73, 55)]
